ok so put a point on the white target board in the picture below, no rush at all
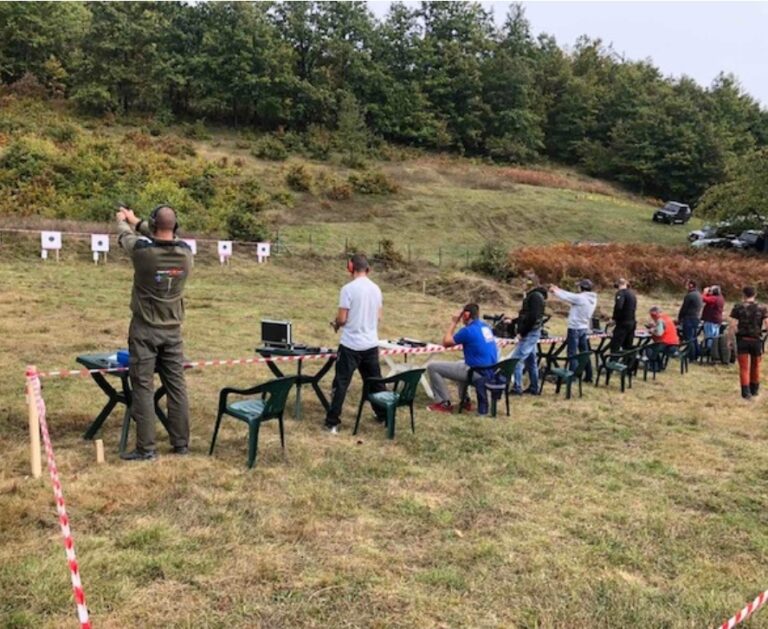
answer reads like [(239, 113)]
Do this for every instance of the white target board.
[(100, 243), (50, 241), (192, 244), (225, 248), (263, 249)]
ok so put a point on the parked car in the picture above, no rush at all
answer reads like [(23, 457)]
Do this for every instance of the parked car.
[(748, 239), (673, 212)]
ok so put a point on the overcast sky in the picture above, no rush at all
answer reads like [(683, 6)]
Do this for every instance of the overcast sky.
[(698, 39)]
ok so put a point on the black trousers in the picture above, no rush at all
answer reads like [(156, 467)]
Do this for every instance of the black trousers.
[(623, 337), (347, 362)]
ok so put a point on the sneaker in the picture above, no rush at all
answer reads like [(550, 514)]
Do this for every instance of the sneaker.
[(441, 407), (180, 450), (530, 391), (466, 405), (333, 429), (139, 455), (515, 392)]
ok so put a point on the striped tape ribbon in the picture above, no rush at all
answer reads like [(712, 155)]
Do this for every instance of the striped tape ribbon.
[(227, 362), (745, 613), (66, 531)]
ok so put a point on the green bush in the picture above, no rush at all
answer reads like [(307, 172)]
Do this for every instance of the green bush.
[(298, 178), (62, 133), (94, 99), (372, 182), (27, 157), (493, 260), (195, 131), (243, 225), (318, 142), (269, 147)]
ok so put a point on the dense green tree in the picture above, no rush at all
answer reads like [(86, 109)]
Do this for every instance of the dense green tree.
[(744, 195)]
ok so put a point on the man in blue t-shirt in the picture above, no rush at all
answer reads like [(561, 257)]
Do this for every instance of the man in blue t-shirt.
[(480, 350)]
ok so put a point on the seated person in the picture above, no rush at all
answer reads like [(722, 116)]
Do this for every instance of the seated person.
[(663, 330), (480, 350)]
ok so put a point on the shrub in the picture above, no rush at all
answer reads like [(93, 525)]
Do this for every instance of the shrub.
[(389, 256), (318, 142), (94, 99), (195, 131), (202, 187), (333, 188), (298, 178), (372, 182), (242, 144), (493, 260), (62, 133), (245, 225), (175, 146), (27, 158), (269, 147)]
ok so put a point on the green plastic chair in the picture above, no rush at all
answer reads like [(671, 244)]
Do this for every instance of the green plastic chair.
[(504, 368), (254, 412), (404, 387), (683, 354), (566, 375), (624, 363)]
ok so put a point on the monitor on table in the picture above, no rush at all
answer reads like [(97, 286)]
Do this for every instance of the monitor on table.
[(276, 333)]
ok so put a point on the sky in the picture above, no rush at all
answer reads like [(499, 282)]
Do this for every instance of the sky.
[(697, 39)]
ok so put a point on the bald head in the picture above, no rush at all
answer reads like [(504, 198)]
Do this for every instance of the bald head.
[(165, 220)]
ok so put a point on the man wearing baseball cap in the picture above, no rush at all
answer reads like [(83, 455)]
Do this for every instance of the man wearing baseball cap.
[(583, 306)]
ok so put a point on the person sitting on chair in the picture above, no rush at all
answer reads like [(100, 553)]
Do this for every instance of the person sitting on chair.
[(663, 331), (480, 350)]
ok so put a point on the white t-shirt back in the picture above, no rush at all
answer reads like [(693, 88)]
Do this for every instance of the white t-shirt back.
[(363, 299)]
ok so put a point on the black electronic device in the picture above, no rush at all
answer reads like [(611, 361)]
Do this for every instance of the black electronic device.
[(276, 334), (411, 342)]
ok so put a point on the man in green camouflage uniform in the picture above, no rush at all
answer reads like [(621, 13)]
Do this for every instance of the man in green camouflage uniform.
[(161, 264)]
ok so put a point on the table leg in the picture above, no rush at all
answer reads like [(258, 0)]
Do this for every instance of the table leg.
[(316, 383), (297, 410), (114, 398), (127, 417)]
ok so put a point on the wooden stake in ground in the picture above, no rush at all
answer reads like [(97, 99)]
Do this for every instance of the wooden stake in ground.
[(35, 457), (99, 450)]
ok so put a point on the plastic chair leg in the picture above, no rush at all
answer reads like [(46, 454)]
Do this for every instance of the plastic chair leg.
[(493, 404), (568, 383), (413, 423), (581, 393), (391, 410), (558, 384), (282, 431), (506, 400), (253, 441), (623, 381), (215, 432)]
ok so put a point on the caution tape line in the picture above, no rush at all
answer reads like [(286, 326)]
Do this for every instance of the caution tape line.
[(61, 508), (745, 613)]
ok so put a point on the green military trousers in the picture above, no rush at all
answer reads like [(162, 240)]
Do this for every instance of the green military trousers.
[(157, 349)]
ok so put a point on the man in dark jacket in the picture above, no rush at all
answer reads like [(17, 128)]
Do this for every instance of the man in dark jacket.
[(161, 264), (689, 317), (624, 317), (748, 320), (529, 324)]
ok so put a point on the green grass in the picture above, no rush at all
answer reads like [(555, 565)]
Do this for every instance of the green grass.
[(645, 509)]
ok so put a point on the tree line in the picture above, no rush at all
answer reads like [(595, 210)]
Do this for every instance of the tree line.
[(441, 76)]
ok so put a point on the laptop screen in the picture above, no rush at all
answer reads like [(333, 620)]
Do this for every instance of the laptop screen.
[(276, 332)]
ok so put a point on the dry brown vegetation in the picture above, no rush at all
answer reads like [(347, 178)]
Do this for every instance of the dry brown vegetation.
[(646, 266)]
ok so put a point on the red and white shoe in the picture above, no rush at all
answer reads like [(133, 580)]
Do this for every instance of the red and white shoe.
[(441, 407)]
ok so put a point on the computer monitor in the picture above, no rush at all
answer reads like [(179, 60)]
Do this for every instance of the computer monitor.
[(276, 333)]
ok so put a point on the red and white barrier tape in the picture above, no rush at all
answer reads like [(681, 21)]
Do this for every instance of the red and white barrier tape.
[(66, 531), (745, 613), (196, 364)]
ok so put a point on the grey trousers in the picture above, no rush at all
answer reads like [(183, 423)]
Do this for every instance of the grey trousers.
[(157, 348), (439, 372)]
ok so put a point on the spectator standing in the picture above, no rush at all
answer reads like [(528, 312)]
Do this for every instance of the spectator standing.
[(529, 322), (712, 314), (689, 317), (583, 306), (624, 317), (748, 322)]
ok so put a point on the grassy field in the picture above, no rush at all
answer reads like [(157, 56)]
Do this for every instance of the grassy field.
[(645, 509)]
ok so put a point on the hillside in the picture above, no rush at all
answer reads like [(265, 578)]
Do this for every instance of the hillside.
[(59, 166)]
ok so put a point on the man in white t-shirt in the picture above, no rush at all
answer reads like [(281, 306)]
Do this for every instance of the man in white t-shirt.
[(358, 317)]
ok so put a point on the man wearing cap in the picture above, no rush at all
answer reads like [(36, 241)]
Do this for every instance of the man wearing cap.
[(583, 306), (689, 317), (161, 264), (624, 317), (529, 322)]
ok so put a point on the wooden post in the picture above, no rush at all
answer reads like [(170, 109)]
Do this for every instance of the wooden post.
[(440, 256), (35, 456), (99, 450), (346, 245)]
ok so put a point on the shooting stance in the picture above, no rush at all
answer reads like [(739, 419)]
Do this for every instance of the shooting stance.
[(161, 265), (360, 305)]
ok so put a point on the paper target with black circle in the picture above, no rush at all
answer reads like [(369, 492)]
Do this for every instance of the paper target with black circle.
[(100, 243), (192, 244), (225, 248), (50, 240), (263, 249)]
